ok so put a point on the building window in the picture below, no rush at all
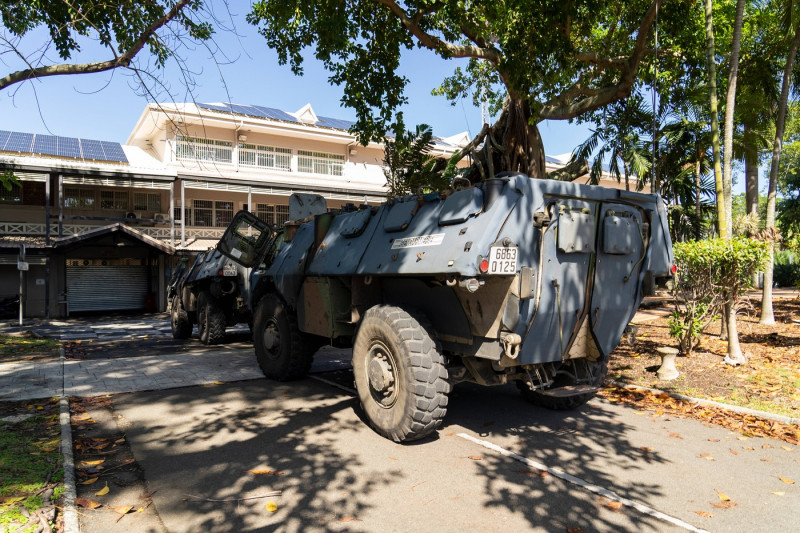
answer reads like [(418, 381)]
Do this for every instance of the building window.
[(223, 213), (195, 149), (253, 155), (13, 195), (117, 200), (203, 211), (77, 198), (176, 215), (147, 201), (274, 214), (320, 163)]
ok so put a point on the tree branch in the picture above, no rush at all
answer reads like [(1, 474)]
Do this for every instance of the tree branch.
[(434, 43), (99, 66), (559, 109)]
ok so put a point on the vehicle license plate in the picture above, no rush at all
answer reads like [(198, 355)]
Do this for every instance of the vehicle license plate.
[(229, 270), (503, 259)]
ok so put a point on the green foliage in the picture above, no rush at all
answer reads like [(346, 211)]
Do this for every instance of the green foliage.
[(7, 179), (710, 272), (561, 58), (408, 165), (123, 28), (786, 271)]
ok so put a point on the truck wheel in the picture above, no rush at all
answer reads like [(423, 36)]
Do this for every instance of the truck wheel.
[(210, 319), (400, 374), (282, 350), (181, 325), (599, 370)]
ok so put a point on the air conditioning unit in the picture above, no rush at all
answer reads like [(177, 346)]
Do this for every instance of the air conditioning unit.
[(133, 214), (161, 217)]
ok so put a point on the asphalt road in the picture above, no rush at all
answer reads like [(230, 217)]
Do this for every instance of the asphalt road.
[(199, 444)]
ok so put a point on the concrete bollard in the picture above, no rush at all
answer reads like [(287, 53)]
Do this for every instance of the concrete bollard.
[(667, 371)]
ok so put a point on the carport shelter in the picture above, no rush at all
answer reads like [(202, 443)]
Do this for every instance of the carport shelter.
[(109, 268)]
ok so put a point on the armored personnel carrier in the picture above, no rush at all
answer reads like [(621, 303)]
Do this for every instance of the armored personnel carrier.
[(211, 292), (511, 280)]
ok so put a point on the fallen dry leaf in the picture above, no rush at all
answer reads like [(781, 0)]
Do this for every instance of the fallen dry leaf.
[(787, 480), (786, 448), (475, 457), (722, 496), (734, 452), (103, 491), (89, 481), (723, 505), (613, 505), (348, 519), (707, 457), (88, 504), (705, 514), (267, 472), (676, 436), (272, 506), (122, 509)]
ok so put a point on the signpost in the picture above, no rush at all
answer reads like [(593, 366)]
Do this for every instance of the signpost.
[(22, 266)]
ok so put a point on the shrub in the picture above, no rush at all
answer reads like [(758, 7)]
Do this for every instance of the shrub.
[(786, 271), (710, 273)]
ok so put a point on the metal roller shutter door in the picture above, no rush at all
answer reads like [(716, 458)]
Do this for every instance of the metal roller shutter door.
[(106, 288)]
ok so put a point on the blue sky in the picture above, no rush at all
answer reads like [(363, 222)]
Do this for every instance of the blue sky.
[(106, 106)]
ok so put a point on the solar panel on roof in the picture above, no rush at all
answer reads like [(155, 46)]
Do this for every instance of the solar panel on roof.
[(114, 152), (275, 114), (92, 150), (244, 110), (215, 107), (334, 123), (45, 144), (19, 142), (4, 135), (69, 147)]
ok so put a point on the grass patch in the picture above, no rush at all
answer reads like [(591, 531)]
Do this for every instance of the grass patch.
[(15, 347), (31, 473)]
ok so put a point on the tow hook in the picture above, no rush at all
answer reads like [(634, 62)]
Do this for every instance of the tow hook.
[(511, 343)]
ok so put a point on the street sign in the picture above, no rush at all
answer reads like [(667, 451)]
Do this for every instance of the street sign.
[(22, 266)]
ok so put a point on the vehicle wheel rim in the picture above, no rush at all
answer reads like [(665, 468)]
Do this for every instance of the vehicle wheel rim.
[(381, 371), (272, 338)]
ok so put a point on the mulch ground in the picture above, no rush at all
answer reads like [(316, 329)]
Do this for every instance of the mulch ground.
[(769, 382)]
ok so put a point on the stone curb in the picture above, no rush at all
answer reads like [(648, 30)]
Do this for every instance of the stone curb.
[(71, 524), (711, 403)]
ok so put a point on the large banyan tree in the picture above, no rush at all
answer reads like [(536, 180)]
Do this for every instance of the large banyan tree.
[(533, 60)]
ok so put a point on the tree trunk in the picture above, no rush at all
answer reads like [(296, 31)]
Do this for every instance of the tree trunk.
[(714, 112), (697, 203), (750, 172), (767, 316), (513, 144), (735, 356), (730, 105)]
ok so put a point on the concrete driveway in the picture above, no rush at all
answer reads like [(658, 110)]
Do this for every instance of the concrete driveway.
[(198, 445)]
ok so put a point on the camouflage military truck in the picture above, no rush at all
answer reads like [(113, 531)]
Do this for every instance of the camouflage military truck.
[(211, 292), (511, 280)]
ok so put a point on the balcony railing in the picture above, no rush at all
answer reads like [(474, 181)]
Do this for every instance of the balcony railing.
[(157, 232)]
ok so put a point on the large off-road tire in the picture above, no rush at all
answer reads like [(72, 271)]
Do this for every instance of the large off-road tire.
[(599, 369), (400, 374), (283, 352), (210, 319), (179, 319)]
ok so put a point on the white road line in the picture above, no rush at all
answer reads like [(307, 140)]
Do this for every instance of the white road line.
[(584, 484)]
